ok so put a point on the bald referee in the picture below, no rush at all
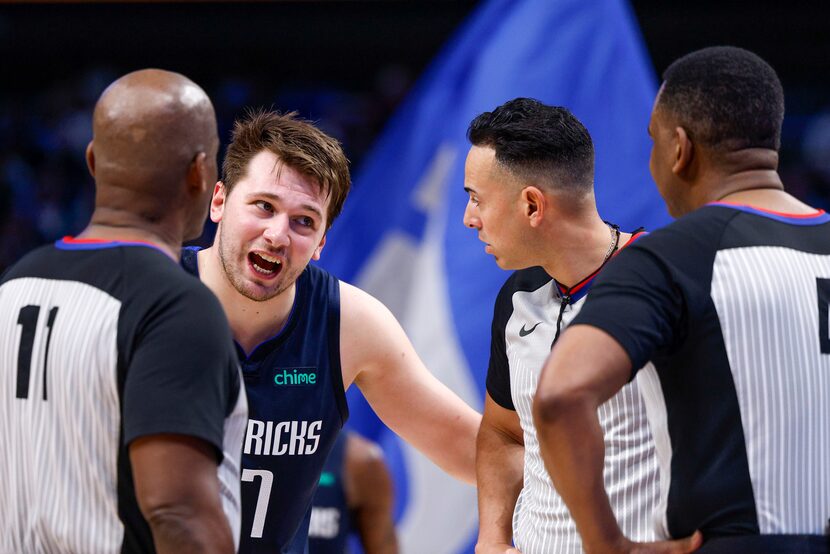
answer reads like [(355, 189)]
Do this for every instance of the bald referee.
[(121, 427), (730, 302)]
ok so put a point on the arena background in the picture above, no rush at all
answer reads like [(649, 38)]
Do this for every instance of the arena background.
[(397, 82)]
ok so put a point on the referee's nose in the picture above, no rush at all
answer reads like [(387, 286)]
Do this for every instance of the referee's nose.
[(471, 218)]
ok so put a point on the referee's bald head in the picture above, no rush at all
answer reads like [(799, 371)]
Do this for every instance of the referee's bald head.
[(149, 129)]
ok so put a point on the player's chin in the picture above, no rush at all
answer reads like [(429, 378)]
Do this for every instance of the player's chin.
[(260, 292)]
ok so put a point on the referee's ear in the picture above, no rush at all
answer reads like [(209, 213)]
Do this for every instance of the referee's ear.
[(684, 151), (534, 204), (90, 159)]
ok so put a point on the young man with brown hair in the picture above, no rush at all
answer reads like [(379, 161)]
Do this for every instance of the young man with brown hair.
[(304, 336)]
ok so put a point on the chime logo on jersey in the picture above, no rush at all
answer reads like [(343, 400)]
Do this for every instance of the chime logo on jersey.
[(295, 376), (292, 438)]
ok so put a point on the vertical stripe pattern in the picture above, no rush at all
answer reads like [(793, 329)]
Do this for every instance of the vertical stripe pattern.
[(59, 455), (541, 521), (229, 471), (766, 300)]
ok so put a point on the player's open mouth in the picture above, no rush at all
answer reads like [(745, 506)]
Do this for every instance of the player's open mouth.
[(264, 265)]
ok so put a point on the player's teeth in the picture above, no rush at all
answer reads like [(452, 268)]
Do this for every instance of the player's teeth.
[(269, 259), (262, 270)]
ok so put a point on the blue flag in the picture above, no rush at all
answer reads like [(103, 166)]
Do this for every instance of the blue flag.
[(401, 236)]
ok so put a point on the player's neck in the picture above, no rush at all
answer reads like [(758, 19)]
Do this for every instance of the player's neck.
[(578, 248), (252, 322)]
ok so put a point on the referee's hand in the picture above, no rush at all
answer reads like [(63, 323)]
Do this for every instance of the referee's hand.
[(679, 546), (491, 548)]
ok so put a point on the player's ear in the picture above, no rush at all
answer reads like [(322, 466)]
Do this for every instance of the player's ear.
[(533, 203), (316, 255), (217, 202), (90, 159), (684, 150)]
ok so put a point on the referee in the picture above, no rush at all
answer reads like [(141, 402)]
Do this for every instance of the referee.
[(530, 179), (121, 427), (730, 302)]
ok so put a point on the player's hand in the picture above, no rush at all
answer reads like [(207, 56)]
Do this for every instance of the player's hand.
[(489, 548), (679, 546)]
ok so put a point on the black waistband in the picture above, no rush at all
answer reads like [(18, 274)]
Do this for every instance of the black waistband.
[(768, 544)]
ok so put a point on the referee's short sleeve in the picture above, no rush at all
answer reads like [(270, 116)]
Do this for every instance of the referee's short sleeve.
[(637, 302), (498, 370), (182, 372)]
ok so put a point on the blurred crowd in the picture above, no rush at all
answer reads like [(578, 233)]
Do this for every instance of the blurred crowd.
[(46, 191)]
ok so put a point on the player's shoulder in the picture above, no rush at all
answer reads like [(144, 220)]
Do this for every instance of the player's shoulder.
[(360, 450), (356, 303)]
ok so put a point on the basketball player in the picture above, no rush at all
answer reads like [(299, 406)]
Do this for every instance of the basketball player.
[(529, 175), (122, 427), (730, 302), (355, 494), (302, 335)]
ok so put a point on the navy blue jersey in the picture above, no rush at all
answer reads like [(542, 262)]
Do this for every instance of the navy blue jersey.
[(330, 524), (297, 408)]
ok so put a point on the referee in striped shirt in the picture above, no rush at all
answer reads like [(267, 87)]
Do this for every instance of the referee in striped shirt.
[(529, 176), (730, 302)]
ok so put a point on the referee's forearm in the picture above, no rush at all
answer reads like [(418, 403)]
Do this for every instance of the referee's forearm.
[(179, 532), (499, 467)]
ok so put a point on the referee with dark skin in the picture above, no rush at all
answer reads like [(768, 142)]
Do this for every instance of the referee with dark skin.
[(588, 365), (144, 128)]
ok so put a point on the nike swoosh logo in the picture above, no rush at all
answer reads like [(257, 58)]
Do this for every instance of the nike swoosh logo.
[(525, 332)]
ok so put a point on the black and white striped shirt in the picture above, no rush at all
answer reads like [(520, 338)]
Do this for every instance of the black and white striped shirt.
[(102, 343), (529, 309), (730, 303)]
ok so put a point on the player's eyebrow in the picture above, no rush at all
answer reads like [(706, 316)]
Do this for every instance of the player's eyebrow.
[(277, 198)]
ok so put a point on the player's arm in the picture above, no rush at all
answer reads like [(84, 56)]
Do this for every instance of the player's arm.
[(499, 470), (585, 369), (377, 355), (178, 494), (370, 495)]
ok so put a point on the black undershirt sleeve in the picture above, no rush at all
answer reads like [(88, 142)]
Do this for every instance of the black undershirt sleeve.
[(498, 370), (178, 379)]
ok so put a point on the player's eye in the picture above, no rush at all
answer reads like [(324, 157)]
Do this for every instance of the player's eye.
[(265, 206)]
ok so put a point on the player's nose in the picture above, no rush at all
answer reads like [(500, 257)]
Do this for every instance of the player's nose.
[(276, 232)]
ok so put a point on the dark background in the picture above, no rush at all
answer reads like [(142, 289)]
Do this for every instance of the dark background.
[(344, 64)]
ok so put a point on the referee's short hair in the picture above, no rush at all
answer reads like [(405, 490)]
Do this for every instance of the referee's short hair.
[(726, 98), (540, 142)]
